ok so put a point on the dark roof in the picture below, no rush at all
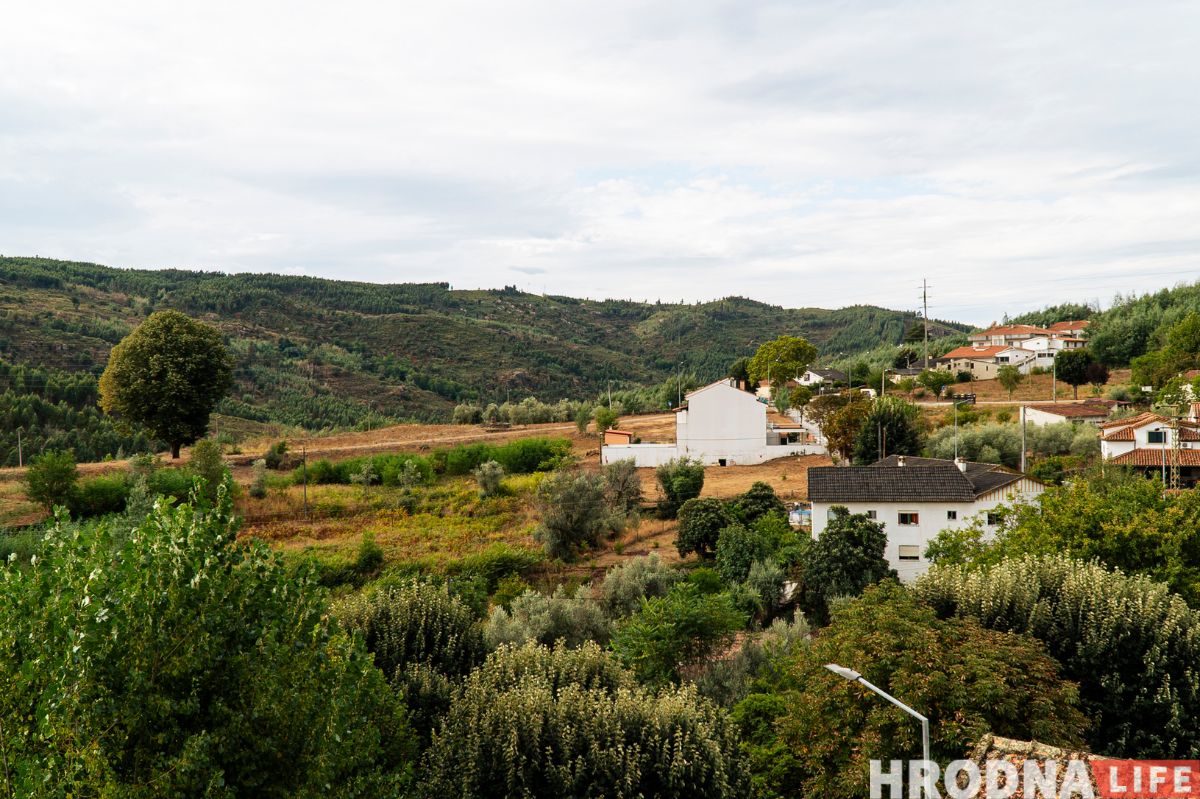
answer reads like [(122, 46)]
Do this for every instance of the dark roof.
[(830, 374), (919, 480)]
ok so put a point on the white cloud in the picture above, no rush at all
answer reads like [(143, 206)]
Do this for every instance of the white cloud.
[(1014, 153)]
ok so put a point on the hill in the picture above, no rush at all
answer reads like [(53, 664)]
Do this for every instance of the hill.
[(324, 353)]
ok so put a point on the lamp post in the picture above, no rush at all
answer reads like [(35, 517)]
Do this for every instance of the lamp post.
[(956, 404), (854, 676)]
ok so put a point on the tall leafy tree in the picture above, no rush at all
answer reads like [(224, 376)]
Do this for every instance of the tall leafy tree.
[(891, 424), (844, 560), (169, 660), (1073, 368), (781, 360), (817, 736), (167, 375)]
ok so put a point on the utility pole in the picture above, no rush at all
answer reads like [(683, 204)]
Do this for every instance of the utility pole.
[(20, 455), (1022, 439), (925, 316)]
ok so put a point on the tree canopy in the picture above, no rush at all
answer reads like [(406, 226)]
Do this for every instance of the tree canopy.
[(167, 375), (781, 360)]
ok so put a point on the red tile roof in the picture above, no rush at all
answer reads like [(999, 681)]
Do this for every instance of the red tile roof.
[(976, 352), (1155, 457), (1013, 330), (1060, 327)]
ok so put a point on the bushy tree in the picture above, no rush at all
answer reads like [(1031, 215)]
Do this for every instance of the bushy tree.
[(841, 428), (207, 464), (1009, 377), (983, 443), (1120, 519), (258, 479), (1072, 367), (892, 423), (624, 487), (936, 380), (701, 521), (818, 737), (605, 418), (50, 478), (845, 559), (570, 616), (168, 660), (760, 658), (674, 632), (680, 479), (422, 639), (781, 360), (575, 512), (757, 501), (167, 375), (534, 722), (1129, 642), (737, 548), (467, 413), (626, 585)]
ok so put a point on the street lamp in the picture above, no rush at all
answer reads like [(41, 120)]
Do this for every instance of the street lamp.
[(956, 404), (854, 676)]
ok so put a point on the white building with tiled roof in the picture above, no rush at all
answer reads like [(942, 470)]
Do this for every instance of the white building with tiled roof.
[(722, 425), (915, 499)]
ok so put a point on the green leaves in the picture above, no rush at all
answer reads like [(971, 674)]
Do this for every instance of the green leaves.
[(781, 360), (166, 660), (167, 375)]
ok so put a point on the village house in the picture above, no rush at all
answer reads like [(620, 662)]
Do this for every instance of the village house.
[(1146, 442), (1092, 411), (916, 498), (816, 377), (722, 425), (984, 362), (1007, 335)]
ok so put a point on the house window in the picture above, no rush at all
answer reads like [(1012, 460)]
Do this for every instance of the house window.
[(993, 519), (872, 515), (1156, 437), (951, 515), (909, 518), (910, 552)]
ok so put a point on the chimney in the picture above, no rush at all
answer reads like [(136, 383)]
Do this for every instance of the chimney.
[(900, 461), (961, 463)]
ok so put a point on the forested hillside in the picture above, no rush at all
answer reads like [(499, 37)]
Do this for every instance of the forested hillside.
[(1136, 325), (323, 353)]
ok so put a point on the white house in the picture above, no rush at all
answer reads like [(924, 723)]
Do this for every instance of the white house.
[(1093, 411), (1146, 442), (723, 425), (983, 361), (815, 377), (915, 499), (1006, 335)]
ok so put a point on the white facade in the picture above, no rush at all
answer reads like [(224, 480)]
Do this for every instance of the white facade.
[(1040, 417), (721, 425), (1151, 433), (906, 542)]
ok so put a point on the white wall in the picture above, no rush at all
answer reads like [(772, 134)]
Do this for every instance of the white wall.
[(1041, 418), (722, 422), (932, 517), (642, 455)]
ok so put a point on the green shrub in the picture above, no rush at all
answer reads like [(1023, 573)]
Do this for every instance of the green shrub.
[(100, 496), (51, 477), (706, 580), (258, 481), (489, 475), (170, 482), (760, 500), (572, 617), (701, 521), (497, 562), (1132, 645), (273, 459), (421, 637), (624, 487), (207, 464), (680, 479), (537, 723), (737, 548), (625, 586), (196, 661), (575, 513), (674, 632), (843, 561)]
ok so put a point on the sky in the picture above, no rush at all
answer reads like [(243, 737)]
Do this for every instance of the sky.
[(1014, 154)]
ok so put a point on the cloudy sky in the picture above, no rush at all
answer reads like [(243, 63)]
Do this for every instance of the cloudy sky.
[(802, 153)]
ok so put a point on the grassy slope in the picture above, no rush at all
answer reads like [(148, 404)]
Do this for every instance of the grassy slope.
[(315, 352)]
